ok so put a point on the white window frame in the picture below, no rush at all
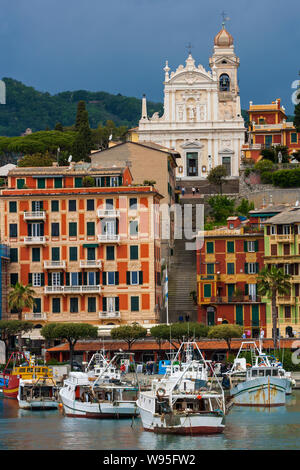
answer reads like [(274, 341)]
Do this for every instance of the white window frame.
[(90, 275), (56, 277), (110, 304), (286, 268), (114, 181), (286, 229), (273, 230), (251, 244), (73, 276), (36, 279), (252, 271), (252, 291)]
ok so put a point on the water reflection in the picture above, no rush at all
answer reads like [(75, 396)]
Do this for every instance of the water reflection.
[(246, 428)]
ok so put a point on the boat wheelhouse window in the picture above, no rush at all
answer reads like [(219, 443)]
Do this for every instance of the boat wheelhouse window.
[(268, 372), (261, 372), (275, 372), (254, 373), (22, 369)]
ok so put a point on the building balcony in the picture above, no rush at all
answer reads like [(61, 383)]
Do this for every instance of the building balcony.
[(72, 289), (286, 300), (54, 264), (109, 238), (236, 299), (35, 215), (34, 240), (35, 316), (109, 315), (110, 213), (90, 263), (284, 238)]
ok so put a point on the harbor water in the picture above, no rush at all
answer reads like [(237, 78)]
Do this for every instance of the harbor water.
[(246, 428)]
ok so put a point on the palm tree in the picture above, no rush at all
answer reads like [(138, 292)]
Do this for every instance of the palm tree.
[(21, 297), (272, 282)]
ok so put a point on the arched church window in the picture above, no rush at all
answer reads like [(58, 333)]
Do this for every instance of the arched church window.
[(224, 82)]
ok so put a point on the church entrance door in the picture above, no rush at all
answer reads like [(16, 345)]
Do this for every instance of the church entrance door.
[(192, 164)]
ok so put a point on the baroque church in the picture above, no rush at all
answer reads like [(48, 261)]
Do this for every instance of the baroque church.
[(202, 117)]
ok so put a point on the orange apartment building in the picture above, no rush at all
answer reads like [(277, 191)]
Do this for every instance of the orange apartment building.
[(88, 251), (268, 126)]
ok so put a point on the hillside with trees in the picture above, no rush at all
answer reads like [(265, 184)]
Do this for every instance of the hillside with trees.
[(40, 111)]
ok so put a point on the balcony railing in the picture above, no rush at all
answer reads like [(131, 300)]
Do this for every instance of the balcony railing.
[(235, 299), (35, 316), (286, 300), (111, 213), (34, 215), (54, 264), (109, 315), (72, 289), (288, 237), (34, 240), (109, 237), (90, 263)]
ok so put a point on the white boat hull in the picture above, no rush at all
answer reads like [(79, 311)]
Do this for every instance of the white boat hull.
[(190, 424), (77, 409), (38, 404), (261, 391)]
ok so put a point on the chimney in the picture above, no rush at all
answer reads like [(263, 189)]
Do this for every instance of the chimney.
[(271, 200), (144, 107)]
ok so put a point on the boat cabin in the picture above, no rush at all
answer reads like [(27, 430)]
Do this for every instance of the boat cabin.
[(255, 372), (29, 372)]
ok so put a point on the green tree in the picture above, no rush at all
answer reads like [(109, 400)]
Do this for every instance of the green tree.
[(226, 332), (37, 160), (217, 176), (80, 115), (176, 333), (160, 333), (271, 153), (12, 328), (245, 207), (88, 181), (222, 207), (21, 297), (83, 142), (59, 127), (272, 282), (129, 333), (71, 332)]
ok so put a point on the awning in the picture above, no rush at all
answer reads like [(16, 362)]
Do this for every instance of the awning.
[(90, 245)]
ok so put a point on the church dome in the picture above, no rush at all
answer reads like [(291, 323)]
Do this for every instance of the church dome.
[(223, 38)]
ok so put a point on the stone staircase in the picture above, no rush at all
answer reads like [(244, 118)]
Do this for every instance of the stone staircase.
[(183, 275), (230, 186)]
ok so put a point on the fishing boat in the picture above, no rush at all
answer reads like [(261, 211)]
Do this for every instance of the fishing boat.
[(27, 370), (38, 394), (260, 383), (180, 404), (105, 395)]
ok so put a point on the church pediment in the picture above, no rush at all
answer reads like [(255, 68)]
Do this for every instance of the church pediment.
[(226, 151), (192, 144), (222, 59)]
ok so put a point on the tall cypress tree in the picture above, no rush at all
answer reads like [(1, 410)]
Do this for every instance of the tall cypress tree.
[(80, 116), (83, 142)]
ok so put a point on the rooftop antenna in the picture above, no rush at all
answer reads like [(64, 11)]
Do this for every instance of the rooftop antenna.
[(189, 48), (225, 18)]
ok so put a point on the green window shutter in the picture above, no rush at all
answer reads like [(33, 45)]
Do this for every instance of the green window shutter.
[(36, 254), (78, 182), (54, 206), (128, 278), (141, 277), (73, 253), (20, 183), (12, 206), (102, 181), (56, 305), (209, 247), (91, 253), (117, 278), (72, 229), (85, 278), (239, 315), (256, 245), (134, 304), (30, 278), (42, 279), (97, 278), (230, 268), (58, 182), (256, 268), (91, 304), (14, 255), (246, 289), (230, 247), (210, 268), (255, 315), (246, 268), (207, 290), (117, 304), (120, 180), (41, 183), (110, 253), (134, 252), (245, 246), (55, 254), (90, 228), (104, 278), (104, 303), (67, 279), (37, 308)]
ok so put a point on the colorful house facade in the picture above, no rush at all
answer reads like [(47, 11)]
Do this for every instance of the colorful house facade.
[(90, 248), (227, 266), (268, 126)]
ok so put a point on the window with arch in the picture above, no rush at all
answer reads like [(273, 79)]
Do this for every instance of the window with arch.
[(224, 82)]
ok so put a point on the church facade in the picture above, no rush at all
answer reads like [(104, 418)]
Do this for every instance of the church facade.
[(202, 117)]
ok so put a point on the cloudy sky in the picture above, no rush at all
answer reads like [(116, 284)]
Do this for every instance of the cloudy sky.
[(120, 46)]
